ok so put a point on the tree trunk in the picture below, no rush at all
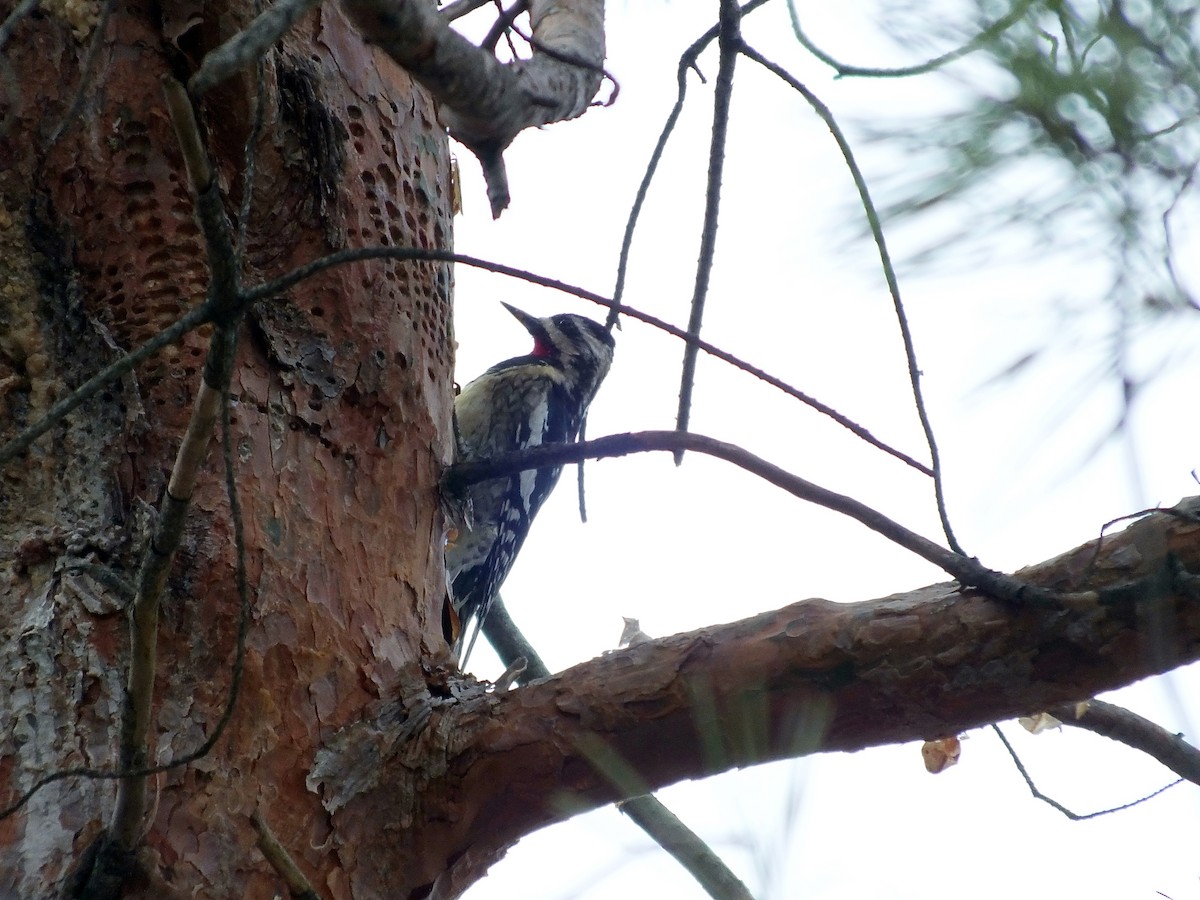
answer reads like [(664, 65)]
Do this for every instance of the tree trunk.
[(340, 403), (375, 765)]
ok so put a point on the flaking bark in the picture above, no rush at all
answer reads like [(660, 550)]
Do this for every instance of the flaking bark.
[(813, 676)]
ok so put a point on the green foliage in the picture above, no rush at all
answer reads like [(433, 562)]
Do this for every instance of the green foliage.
[(1081, 120)]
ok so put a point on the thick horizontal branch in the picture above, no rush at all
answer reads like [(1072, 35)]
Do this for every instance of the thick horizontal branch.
[(812, 676)]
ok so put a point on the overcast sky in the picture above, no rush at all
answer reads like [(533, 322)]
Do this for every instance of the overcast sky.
[(797, 290)]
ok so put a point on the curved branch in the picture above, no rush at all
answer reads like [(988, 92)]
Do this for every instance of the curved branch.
[(997, 28), (343, 257), (889, 274), (967, 570), (687, 62), (1039, 794)]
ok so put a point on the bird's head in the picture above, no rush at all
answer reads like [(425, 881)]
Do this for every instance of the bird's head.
[(581, 348)]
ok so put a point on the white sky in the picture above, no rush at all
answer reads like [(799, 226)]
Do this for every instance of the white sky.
[(797, 291)]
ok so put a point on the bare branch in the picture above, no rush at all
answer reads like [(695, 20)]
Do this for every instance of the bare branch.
[(1038, 794), (235, 676), (670, 833), (227, 309), (889, 274), (503, 26), (729, 41), (487, 103), (1129, 728), (1001, 25), (459, 8), (662, 825), (510, 642), (812, 676), (967, 570), (344, 257), (687, 62)]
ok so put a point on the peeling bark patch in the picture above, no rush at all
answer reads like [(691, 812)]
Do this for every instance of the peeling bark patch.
[(297, 346)]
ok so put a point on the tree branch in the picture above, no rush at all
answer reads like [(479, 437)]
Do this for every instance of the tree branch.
[(686, 846), (889, 275), (813, 676), (968, 570), (486, 103), (344, 257), (1129, 728), (729, 41)]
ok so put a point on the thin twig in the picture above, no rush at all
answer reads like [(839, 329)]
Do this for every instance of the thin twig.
[(281, 861), (1135, 731), (889, 273), (1169, 241), (1073, 816), (581, 493), (729, 40), (248, 45), (504, 21), (844, 69), (1087, 570), (688, 848), (501, 27), (570, 59), (151, 584), (687, 62), (203, 315), (968, 571), (344, 257)]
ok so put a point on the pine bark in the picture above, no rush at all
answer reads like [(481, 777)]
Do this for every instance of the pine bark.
[(376, 767), (341, 405)]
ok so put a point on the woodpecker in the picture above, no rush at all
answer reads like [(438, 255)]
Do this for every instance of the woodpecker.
[(527, 401)]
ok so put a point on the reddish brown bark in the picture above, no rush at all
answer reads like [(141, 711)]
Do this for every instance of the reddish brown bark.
[(810, 677), (341, 414), (377, 770)]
